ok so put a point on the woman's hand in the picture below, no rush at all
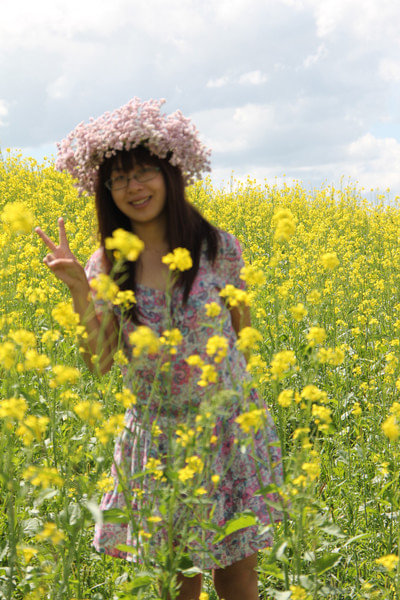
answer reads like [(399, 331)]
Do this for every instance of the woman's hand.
[(61, 261)]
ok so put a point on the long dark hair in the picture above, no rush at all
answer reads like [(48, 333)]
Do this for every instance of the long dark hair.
[(186, 227)]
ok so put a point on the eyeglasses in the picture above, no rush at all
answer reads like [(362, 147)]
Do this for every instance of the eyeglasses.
[(121, 182)]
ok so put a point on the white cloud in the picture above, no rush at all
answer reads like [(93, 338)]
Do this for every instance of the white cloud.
[(3, 112), (375, 162), (219, 82), (59, 88), (262, 105), (253, 78), (390, 69)]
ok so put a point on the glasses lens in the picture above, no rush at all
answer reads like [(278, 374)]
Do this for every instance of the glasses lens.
[(146, 174), (122, 181), (117, 183)]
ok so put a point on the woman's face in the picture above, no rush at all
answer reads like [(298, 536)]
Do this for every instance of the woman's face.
[(139, 193)]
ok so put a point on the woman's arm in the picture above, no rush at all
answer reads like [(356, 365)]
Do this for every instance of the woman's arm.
[(240, 318), (102, 332)]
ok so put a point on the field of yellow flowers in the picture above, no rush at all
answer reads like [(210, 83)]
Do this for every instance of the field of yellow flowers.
[(323, 275)]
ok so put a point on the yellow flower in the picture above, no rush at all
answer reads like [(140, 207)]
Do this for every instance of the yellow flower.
[(8, 355), (126, 245), (311, 392), (256, 365), (217, 346), (34, 360), (316, 335), (155, 467), (194, 360), (208, 375), (64, 374), (235, 296), (65, 315), (185, 435), (395, 409), (124, 298), (89, 411), (213, 309), (298, 312), (172, 338), (105, 483), (252, 275), (154, 519), (144, 341), (33, 428), (329, 261), (13, 408), (356, 410), (18, 217), (285, 398), (51, 533), (389, 561), (194, 465), (49, 337), (391, 428), (204, 596), (105, 288), (28, 553), (126, 398), (312, 469), (23, 338), (314, 297), (248, 339), (178, 260), (321, 413), (44, 477), (215, 479), (110, 428), (300, 431), (251, 420), (281, 363), (298, 593), (284, 223), (331, 356)]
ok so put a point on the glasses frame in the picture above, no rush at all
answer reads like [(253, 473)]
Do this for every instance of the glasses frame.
[(153, 172)]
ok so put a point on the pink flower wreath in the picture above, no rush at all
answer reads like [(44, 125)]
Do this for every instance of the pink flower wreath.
[(136, 123)]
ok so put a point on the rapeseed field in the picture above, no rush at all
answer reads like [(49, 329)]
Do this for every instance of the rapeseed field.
[(323, 280)]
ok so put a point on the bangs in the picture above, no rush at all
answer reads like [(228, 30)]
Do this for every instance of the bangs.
[(126, 160)]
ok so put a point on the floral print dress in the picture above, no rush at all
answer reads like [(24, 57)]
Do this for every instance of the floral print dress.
[(172, 396)]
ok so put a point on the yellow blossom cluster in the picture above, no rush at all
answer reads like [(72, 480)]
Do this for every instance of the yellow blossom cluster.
[(178, 260), (126, 245)]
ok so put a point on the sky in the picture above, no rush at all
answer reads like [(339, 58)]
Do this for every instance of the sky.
[(280, 90)]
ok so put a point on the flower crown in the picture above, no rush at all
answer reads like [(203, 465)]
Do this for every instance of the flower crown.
[(136, 123)]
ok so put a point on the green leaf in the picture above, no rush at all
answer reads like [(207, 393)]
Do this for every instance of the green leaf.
[(140, 582), (115, 515), (333, 530), (240, 522), (126, 548), (326, 562)]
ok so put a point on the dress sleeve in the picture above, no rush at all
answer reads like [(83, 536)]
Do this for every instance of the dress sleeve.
[(229, 261), (93, 268)]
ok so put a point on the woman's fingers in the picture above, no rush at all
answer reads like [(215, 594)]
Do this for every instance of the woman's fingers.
[(63, 241), (49, 243), (62, 234)]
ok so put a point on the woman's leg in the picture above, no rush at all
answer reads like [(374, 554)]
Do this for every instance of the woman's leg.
[(190, 587), (238, 581)]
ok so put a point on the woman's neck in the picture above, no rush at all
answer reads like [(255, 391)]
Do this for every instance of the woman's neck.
[(153, 236)]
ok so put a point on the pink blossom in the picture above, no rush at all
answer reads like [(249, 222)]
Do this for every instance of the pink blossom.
[(136, 123)]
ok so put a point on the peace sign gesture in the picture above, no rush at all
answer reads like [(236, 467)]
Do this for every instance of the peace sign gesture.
[(61, 261)]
